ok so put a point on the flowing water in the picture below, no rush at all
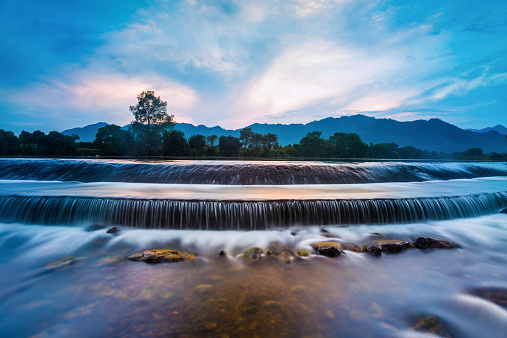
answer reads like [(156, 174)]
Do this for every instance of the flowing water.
[(54, 209)]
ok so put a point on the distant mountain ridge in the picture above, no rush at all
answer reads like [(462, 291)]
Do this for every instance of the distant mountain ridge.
[(432, 135), (498, 128)]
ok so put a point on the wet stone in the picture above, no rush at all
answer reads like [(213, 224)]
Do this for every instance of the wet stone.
[(393, 245), (94, 227), (113, 230), (329, 249), (432, 325), (162, 255), (374, 250), (328, 234), (504, 211), (64, 262), (286, 257), (253, 253), (352, 247), (222, 253), (303, 253), (431, 243)]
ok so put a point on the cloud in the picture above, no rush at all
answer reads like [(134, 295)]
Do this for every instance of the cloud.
[(101, 95), (339, 78)]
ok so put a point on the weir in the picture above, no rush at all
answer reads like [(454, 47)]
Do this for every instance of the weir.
[(241, 173), (241, 215)]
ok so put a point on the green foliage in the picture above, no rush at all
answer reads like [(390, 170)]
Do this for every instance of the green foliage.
[(8, 143), (151, 119), (347, 146), (229, 146), (312, 145), (111, 140), (174, 143), (197, 145)]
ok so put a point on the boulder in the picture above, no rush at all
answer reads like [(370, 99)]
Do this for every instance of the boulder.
[(392, 245), (162, 255), (431, 243), (329, 249), (113, 230), (373, 249), (352, 247), (432, 325)]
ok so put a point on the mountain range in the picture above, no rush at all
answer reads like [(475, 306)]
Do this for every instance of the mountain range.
[(432, 135)]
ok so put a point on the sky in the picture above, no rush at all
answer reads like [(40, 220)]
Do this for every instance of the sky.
[(70, 63)]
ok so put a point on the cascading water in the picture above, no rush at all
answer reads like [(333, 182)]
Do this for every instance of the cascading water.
[(59, 211)]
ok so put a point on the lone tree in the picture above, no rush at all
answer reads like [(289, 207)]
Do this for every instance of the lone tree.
[(151, 119)]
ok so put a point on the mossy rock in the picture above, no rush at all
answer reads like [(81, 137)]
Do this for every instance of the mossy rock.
[(303, 253), (392, 245), (162, 255), (431, 243), (352, 247), (433, 325), (64, 262), (373, 249), (253, 253), (329, 249), (286, 257)]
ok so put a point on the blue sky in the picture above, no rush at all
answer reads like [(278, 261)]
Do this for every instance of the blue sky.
[(68, 63)]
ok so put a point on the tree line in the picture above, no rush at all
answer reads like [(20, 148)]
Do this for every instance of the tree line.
[(152, 133)]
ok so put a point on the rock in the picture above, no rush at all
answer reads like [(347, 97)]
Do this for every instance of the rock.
[(222, 253), (393, 245), (504, 211), (374, 250), (494, 295), (376, 235), (204, 288), (303, 253), (294, 233), (431, 243), (433, 325), (352, 247), (113, 230), (286, 257), (64, 262), (298, 288), (329, 249), (94, 227), (253, 253), (328, 234), (162, 255), (269, 253)]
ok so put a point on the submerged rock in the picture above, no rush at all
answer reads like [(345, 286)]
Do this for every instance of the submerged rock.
[(433, 325), (204, 288), (393, 245), (303, 253), (162, 255), (431, 243), (64, 262), (329, 249), (328, 234), (286, 257), (94, 227), (494, 295), (253, 253), (373, 249), (504, 211)]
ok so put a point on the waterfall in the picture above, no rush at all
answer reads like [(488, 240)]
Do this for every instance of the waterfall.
[(242, 215), (241, 173)]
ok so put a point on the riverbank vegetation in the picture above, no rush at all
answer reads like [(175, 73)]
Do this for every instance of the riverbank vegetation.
[(152, 133)]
